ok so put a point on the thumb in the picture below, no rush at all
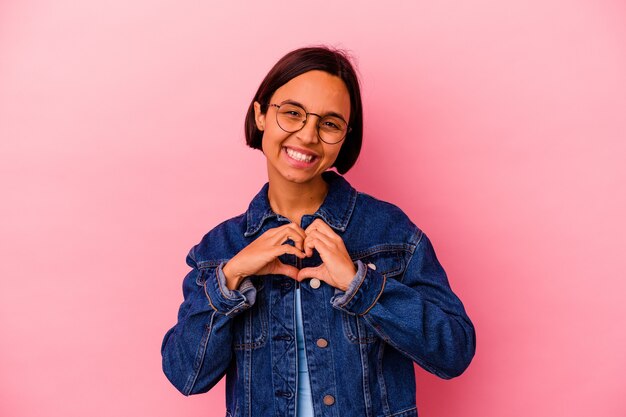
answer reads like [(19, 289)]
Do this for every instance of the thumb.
[(288, 270), (311, 272)]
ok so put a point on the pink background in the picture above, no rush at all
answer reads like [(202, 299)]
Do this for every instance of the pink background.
[(498, 126)]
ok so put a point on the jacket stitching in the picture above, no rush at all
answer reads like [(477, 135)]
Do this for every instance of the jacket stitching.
[(415, 358), (199, 359), (381, 378), (218, 283), (377, 297), (208, 296), (367, 396), (357, 289), (367, 339), (385, 247), (399, 413), (419, 240)]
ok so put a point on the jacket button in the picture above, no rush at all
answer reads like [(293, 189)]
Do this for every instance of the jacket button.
[(371, 266), (321, 342), (315, 283), (329, 400)]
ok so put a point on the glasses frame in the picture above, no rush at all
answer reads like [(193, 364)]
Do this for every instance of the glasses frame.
[(306, 118)]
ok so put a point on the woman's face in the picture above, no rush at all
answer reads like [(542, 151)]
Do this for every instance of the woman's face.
[(288, 153)]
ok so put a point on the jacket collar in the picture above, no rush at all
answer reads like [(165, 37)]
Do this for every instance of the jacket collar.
[(335, 210)]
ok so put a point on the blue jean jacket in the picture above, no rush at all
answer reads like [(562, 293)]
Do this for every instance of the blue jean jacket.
[(360, 344)]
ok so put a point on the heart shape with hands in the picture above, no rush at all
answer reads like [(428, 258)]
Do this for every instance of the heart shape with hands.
[(261, 256)]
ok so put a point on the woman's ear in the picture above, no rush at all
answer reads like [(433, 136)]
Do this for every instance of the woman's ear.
[(259, 117)]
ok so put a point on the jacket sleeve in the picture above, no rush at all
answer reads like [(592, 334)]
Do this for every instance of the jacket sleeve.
[(418, 315), (197, 351)]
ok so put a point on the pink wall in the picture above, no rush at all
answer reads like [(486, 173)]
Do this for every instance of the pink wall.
[(499, 126)]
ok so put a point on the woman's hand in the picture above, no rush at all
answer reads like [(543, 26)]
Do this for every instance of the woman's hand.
[(261, 256), (337, 268)]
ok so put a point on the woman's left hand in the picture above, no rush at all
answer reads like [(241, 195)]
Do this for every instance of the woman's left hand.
[(337, 268)]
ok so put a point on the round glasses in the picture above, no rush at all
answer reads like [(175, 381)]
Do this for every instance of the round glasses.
[(331, 128)]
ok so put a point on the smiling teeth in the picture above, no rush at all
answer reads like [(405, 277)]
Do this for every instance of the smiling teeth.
[(299, 156)]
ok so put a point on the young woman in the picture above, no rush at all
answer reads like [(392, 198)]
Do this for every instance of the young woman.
[(318, 299)]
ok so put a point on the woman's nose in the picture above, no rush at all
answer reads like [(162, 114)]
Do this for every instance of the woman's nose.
[(308, 133)]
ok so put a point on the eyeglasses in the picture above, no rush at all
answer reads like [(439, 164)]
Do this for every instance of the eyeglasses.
[(291, 118)]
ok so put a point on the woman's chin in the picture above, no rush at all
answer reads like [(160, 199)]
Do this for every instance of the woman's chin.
[(296, 176)]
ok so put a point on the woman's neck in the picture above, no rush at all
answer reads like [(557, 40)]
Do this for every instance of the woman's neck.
[(293, 200)]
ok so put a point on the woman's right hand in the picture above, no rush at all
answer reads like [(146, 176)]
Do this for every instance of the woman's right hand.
[(261, 256)]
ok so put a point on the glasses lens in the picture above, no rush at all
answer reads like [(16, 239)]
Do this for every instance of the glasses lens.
[(290, 117), (332, 129)]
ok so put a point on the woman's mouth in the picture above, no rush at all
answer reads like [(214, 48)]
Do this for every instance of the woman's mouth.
[(299, 159)]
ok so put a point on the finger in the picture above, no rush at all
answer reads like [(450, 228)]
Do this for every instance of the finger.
[(308, 246), (316, 234), (290, 231), (288, 249), (321, 244), (288, 270), (312, 272), (278, 231), (298, 240), (322, 247), (319, 225), (295, 228)]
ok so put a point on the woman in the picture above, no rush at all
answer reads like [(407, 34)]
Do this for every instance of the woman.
[(318, 299)]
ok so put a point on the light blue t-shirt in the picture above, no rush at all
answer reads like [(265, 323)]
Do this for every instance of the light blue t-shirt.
[(303, 400)]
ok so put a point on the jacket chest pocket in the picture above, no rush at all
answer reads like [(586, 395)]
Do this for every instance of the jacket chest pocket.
[(250, 328), (386, 262)]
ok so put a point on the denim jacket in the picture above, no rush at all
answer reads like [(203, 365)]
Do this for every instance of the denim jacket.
[(360, 344)]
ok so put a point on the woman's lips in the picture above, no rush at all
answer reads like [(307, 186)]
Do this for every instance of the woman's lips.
[(296, 158)]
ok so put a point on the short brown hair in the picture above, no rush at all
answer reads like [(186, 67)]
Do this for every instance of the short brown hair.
[(297, 62)]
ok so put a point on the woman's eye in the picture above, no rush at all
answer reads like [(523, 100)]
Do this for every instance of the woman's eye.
[(330, 125), (292, 114)]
